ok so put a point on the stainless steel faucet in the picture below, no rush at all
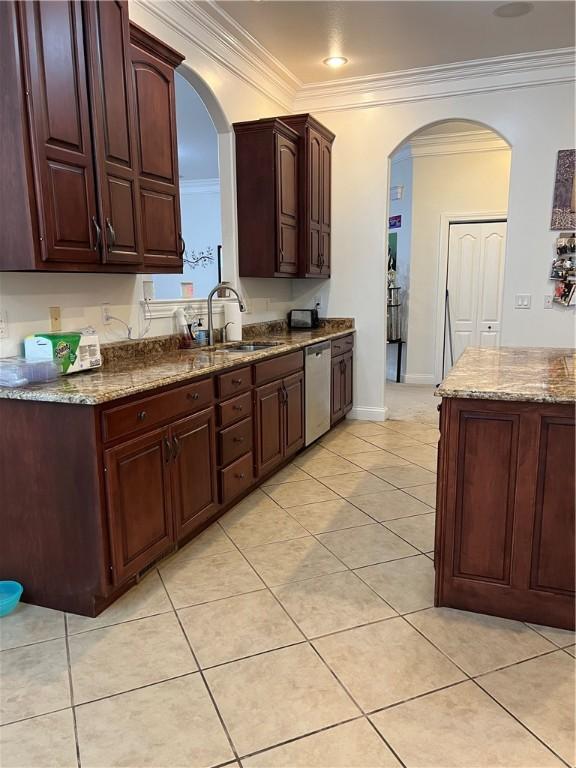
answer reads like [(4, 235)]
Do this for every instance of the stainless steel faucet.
[(216, 288)]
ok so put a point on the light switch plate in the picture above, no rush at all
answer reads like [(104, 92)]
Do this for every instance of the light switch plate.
[(55, 319), (523, 301), (548, 303)]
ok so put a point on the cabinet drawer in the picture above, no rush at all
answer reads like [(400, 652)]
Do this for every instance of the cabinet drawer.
[(236, 478), (235, 409), (235, 441), (235, 382), (278, 367), (345, 344), (133, 417)]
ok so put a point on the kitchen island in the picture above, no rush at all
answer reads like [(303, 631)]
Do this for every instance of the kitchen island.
[(505, 499)]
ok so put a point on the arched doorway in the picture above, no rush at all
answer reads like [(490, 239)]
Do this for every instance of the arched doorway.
[(447, 207)]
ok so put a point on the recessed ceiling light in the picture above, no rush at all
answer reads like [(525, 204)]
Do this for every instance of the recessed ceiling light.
[(335, 61), (512, 10)]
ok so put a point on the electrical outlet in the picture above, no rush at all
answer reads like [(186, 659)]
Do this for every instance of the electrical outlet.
[(317, 301), (523, 301), (55, 319), (4, 324), (548, 303), (106, 313)]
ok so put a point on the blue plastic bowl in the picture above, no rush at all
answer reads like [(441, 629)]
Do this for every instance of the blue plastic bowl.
[(10, 594)]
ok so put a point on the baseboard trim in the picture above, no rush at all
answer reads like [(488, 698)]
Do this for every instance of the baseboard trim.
[(420, 378), (363, 413)]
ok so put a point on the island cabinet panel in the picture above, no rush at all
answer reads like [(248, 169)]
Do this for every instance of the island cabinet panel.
[(62, 151), (505, 510), (139, 502), (113, 106), (194, 470)]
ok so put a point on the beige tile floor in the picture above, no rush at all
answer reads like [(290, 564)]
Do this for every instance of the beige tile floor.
[(297, 632)]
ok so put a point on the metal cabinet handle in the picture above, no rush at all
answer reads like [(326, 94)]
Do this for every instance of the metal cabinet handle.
[(238, 439), (236, 381), (240, 475), (192, 395), (111, 232), (98, 233), (176, 444), (281, 255), (141, 415), (182, 245), (167, 450), (237, 408)]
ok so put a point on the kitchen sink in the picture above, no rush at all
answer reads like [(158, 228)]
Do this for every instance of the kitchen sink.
[(255, 346)]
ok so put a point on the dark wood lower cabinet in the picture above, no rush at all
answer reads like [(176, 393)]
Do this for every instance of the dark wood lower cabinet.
[(279, 421), (342, 379), (193, 470), (139, 502), (505, 510), (293, 413)]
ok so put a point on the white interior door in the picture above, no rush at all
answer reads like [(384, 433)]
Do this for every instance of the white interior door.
[(475, 279)]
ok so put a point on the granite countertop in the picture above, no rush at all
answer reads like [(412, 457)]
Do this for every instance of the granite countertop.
[(531, 374), (125, 374)]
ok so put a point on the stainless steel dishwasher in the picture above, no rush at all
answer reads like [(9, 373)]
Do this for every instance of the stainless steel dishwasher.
[(317, 372)]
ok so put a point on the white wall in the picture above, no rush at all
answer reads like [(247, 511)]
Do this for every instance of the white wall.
[(537, 122), (471, 182)]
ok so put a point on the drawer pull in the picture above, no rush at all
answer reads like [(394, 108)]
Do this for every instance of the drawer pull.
[(238, 439), (193, 395), (240, 475), (237, 408), (236, 381), (141, 415)]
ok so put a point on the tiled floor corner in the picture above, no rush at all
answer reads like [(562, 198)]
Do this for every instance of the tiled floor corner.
[(298, 631)]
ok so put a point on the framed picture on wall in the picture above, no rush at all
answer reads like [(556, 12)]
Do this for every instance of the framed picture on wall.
[(564, 204)]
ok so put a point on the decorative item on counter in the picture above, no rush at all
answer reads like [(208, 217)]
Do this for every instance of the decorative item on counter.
[(73, 351), (187, 290), (182, 329), (564, 204), (564, 270)]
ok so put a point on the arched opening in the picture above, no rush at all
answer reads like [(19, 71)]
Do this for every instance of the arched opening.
[(447, 217), (203, 135)]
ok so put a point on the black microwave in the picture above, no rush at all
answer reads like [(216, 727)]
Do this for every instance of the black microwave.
[(303, 319)]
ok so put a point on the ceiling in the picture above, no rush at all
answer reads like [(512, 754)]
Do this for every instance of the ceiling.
[(379, 37), (197, 137)]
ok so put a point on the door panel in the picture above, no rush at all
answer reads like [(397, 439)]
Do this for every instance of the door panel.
[(115, 137), (139, 502), (552, 567), (347, 382), (60, 129), (315, 200), (157, 160), (294, 425), (194, 469), (269, 427), (475, 281), (336, 393), (287, 184), (326, 218)]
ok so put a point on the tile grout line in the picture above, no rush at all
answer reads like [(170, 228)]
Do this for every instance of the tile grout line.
[(70, 683), (201, 672)]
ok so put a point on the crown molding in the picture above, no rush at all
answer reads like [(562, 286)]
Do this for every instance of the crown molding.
[(220, 38), (207, 186), (447, 80)]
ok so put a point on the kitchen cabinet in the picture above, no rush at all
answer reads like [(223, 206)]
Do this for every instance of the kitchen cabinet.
[(90, 178), (505, 510), (279, 421), (342, 378), (267, 198), (139, 502), (315, 167)]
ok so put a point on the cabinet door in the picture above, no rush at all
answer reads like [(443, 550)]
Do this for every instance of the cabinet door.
[(287, 203), (194, 470), (336, 393), (153, 83), (314, 202), (326, 208), (139, 502), (114, 130), (60, 132), (347, 382), (294, 413), (269, 413)]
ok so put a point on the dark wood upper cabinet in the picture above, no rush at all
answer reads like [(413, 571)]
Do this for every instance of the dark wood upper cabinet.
[(113, 105), (88, 151), (267, 198), (153, 82), (61, 141), (315, 145)]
